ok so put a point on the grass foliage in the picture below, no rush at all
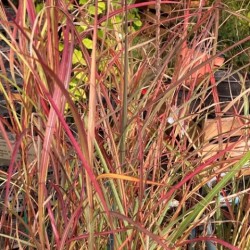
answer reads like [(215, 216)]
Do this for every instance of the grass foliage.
[(108, 109)]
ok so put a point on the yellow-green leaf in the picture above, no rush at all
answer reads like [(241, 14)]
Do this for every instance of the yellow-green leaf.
[(88, 43), (83, 1), (77, 57), (80, 76), (102, 6), (138, 23), (39, 7), (61, 46)]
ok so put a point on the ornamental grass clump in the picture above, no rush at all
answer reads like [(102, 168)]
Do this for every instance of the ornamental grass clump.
[(106, 128)]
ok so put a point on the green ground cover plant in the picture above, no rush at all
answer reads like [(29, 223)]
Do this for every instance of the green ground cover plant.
[(233, 29), (109, 126)]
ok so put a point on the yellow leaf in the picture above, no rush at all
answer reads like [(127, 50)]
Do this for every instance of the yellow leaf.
[(127, 178)]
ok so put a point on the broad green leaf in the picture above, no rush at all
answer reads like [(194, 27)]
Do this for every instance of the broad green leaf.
[(78, 93), (88, 43), (77, 57), (91, 9), (102, 6), (81, 28), (83, 1), (138, 23), (76, 89), (100, 33), (61, 46), (39, 7), (80, 76)]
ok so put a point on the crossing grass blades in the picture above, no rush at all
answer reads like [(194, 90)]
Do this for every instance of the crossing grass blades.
[(116, 139)]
